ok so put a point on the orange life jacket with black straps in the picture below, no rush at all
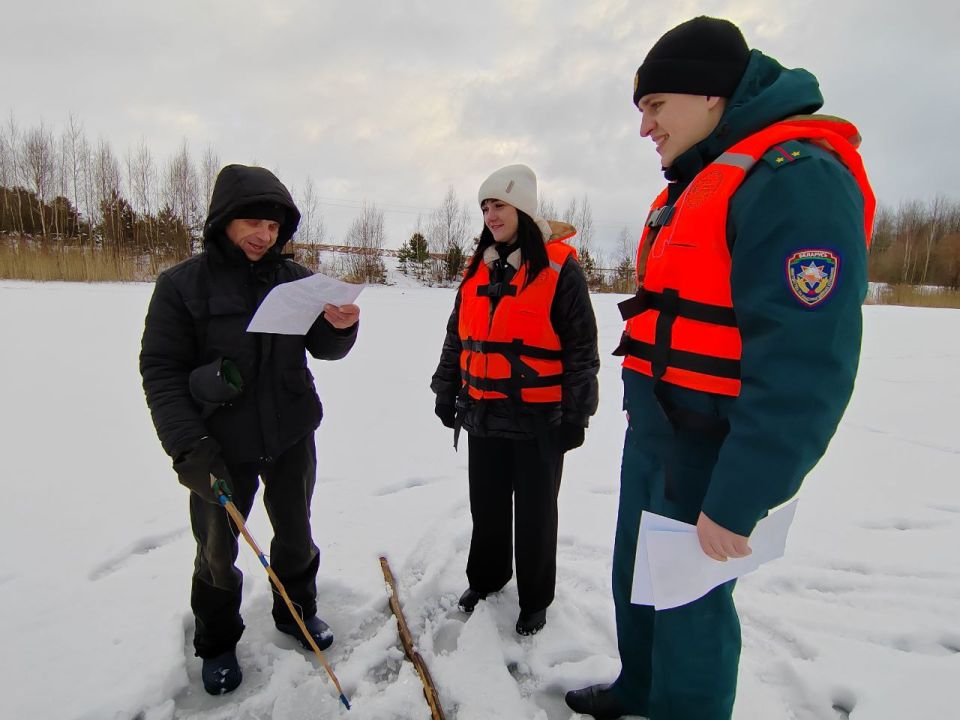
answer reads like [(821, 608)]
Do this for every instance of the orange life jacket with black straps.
[(681, 327), (515, 351)]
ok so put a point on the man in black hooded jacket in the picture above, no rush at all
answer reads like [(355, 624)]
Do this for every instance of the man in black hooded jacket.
[(240, 406)]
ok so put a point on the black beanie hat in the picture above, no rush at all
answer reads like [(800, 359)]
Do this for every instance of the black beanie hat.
[(259, 211), (703, 56)]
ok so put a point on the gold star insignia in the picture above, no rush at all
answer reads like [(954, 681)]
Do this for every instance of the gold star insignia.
[(779, 159), (796, 153)]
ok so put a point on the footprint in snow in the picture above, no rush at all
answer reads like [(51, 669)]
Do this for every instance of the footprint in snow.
[(901, 523), (408, 484), (142, 546)]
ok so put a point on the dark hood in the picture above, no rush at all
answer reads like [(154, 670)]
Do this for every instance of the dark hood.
[(239, 185), (767, 93)]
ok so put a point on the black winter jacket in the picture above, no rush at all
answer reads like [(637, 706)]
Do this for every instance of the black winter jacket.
[(198, 316), (573, 319)]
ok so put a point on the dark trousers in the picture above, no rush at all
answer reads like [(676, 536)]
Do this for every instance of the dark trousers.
[(529, 471), (678, 664), (288, 484)]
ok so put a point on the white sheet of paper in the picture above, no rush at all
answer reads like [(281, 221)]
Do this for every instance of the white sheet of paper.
[(678, 571), (291, 308), (642, 593)]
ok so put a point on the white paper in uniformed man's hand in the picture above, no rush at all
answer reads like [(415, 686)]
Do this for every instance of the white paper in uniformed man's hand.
[(291, 308), (671, 568)]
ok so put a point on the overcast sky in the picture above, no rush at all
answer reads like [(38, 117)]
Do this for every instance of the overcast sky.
[(393, 102)]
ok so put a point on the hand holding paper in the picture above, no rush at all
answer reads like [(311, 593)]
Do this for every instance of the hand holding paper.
[(291, 308), (718, 542), (341, 317), (671, 568)]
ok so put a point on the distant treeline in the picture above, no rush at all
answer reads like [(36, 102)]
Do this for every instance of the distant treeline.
[(917, 244), (70, 209)]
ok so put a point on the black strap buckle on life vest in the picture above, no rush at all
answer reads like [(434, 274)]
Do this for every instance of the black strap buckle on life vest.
[(514, 347), (660, 217), (496, 290)]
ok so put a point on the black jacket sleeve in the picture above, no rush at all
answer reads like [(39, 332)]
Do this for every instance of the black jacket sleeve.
[(446, 380), (168, 353), (573, 319), (325, 342)]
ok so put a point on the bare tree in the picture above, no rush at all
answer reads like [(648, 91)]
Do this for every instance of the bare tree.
[(935, 228), (546, 209), (367, 237), (580, 215), (448, 232), (209, 167), (106, 188), (312, 228), (80, 164), (141, 178), (624, 261), (38, 155), (583, 222), (909, 223), (181, 189), (8, 170), (16, 169)]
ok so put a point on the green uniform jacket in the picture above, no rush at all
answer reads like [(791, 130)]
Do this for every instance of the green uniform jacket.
[(799, 362)]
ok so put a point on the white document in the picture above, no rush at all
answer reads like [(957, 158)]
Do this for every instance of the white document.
[(291, 308), (671, 568)]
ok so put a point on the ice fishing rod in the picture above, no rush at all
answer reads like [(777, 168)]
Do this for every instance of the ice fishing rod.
[(222, 493)]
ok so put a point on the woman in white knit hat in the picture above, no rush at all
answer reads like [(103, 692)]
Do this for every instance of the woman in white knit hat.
[(518, 373)]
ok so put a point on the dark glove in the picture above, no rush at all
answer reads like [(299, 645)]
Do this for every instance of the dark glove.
[(195, 467), (446, 413), (215, 384), (571, 436)]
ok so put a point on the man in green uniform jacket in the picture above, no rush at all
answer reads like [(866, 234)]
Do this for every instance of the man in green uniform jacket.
[(719, 447)]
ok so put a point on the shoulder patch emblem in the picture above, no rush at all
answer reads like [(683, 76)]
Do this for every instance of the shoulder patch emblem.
[(812, 274)]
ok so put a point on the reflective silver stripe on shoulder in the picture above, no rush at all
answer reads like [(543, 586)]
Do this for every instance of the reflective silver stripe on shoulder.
[(739, 160), (556, 266)]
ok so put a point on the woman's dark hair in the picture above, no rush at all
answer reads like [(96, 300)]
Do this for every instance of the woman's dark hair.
[(530, 240)]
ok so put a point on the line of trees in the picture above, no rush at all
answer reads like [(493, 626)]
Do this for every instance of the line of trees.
[(63, 190), (437, 251), (917, 244)]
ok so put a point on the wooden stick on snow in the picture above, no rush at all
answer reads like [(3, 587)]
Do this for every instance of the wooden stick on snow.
[(429, 689)]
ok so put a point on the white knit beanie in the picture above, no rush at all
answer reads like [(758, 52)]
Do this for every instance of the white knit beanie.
[(515, 185)]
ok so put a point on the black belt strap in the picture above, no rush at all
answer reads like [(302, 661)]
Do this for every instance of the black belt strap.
[(516, 347), (680, 359), (507, 386), (669, 302)]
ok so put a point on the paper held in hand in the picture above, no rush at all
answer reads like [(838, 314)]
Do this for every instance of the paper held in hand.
[(671, 568), (291, 308)]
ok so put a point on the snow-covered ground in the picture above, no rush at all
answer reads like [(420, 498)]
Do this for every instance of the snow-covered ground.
[(860, 619)]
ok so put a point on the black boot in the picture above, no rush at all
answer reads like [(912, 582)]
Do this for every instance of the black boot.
[(468, 601), (531, 623), (319, 630), (596, 700), (221, 674)]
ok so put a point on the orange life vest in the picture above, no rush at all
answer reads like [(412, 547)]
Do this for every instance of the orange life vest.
[(681, 327), (515, 352)]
